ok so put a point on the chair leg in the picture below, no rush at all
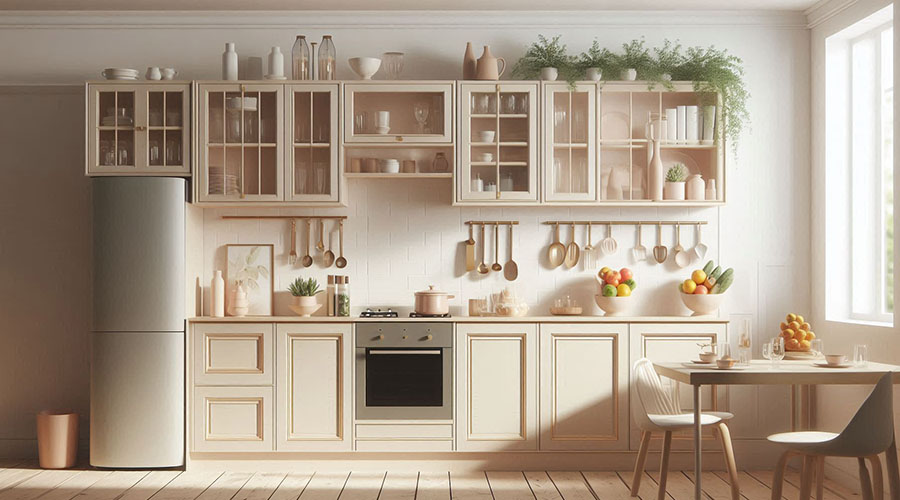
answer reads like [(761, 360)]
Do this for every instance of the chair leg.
[(639, 463), (893, 469), (806, 473), (664, 465), (778, 478), (877, 477), (730, 465), (865, 482), (820, 477)]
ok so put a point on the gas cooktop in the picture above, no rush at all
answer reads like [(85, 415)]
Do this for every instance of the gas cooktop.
[(368, 313)]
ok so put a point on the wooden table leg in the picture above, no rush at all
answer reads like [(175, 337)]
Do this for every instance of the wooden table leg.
[(893, 471), (698, 429)]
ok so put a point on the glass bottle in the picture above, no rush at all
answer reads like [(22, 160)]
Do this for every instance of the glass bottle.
[(327, 58), (300, 69), (343, 296)]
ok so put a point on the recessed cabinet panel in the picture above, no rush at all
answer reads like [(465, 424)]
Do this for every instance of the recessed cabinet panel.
[(233, 353), (379, 112), (233, 419), (138, 129)]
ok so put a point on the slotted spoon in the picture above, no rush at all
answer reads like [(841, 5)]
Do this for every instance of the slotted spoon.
[(572, 251), (639, 252), (609, 244)]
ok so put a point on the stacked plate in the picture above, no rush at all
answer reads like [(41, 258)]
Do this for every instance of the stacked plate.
[(238, 103), (218, 179), (120, 74)]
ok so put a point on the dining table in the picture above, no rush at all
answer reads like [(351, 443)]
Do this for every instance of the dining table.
[(785, 372)]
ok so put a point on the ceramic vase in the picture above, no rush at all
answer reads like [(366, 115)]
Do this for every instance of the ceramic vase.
[(487, 66), (549, 74), (674, 190), (470, 64), (276, 64), (695, 187), (594, 74), (153, 73), (629, 74), (217, 299), (239, 305), (229, 63), (711, 194), (655, 173), (709, 125)]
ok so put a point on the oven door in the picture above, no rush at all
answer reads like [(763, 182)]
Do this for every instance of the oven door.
[(403, 384)]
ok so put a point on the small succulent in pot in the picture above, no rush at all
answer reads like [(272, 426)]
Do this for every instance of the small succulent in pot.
[(677, 173), (675, 177), (304, 287)]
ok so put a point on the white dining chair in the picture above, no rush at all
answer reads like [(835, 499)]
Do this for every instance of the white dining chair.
[(870, 432), (655, 410)]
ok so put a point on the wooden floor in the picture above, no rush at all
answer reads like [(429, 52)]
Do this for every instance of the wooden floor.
[(25, 481)]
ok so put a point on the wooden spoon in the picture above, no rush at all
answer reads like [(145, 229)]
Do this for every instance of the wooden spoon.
[(660, 252), (341, 262), (510, 269), (496, 265), (557, 251), (572, 251), (292, 257), (328, 258), (320, 245), (482, 267), (307, 259), (470, 251)]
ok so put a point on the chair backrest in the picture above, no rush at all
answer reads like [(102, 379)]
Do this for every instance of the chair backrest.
[(871, 430), (648, 396)]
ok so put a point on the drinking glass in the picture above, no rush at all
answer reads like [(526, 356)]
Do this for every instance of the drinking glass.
[(861, 355), (817, 348), (745, 353), (420, 110), (509, 103), (767, 350), (725, 351), (361, 122), (393, 63), (777, 350), (522, 104)]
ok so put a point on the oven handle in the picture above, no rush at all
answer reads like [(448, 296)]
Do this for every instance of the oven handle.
[(435, 351)]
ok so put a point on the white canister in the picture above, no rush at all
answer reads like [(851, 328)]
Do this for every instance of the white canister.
[(695, 187), (711, 194), (680, 117), (691, 125), (229, 63), (671, 124), (506, 182), (709, 125), (217, 297), (276, 64), (477, 184), (153, 73)]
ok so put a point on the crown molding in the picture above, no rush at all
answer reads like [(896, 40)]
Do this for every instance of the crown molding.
[(824, 10), (496, 20)]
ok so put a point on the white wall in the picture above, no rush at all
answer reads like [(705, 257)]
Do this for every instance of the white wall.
[(403, 236)]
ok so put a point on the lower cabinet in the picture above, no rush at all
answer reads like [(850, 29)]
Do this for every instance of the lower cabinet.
[(233, 419), (496, 387), (313, 383), (584, 386)]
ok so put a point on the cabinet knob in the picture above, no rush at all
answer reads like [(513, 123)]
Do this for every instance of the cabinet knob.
[(140, 128), (399, 138)]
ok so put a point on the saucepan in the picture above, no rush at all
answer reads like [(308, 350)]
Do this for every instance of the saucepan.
[(432, 301)]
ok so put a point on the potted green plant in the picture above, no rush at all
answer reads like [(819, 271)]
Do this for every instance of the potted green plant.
[(675, 177), (667, 61), (303, 301), (595, 63), (634, 62), (546, 59)]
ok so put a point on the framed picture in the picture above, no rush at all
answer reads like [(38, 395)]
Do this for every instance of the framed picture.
[(252, 265)]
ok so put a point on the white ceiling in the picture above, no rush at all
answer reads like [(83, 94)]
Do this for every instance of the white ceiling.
[(414, 5)]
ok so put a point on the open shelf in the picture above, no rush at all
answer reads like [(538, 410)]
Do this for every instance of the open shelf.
[(417, 175)]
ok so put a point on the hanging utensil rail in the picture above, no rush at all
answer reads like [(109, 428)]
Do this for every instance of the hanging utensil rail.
[(620, 222)]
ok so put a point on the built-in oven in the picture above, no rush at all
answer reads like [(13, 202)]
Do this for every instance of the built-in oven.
[(404, 371)]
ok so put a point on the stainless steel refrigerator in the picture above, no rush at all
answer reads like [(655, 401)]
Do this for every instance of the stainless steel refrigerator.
[(137, 343)]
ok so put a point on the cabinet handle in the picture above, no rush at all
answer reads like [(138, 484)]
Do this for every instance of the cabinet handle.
[(399, 138), (140, 128)]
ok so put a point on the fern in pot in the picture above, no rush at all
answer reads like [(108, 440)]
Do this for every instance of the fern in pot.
[(634, 62), (675, 177), (595, 63), (303, 300), (546, 59), (667, 62)]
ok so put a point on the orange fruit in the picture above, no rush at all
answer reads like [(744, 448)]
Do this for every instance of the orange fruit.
[(810, 335), (799, 319), (800, 335), (791, 317), (804, 345), (701, 290), (688, 286), (805, 326), (783, 326), (794, 325), (698, 276), (788, 333), (792, 344)]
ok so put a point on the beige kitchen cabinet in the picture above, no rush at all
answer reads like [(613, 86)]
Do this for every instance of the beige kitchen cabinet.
[(313, 386), (240, 142), (232, 419), (398, 112), (584, 386), (569, 142), (138, 128), (677, 342), (312, 132), (496, 387), (498, 143), (233, 353)]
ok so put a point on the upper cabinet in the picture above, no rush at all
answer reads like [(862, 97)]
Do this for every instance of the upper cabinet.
[(312, 131), (138, 128), (398, 112), (498, 143), (569, 132)]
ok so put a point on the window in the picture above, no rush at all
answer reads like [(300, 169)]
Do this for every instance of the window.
[(859, 171)]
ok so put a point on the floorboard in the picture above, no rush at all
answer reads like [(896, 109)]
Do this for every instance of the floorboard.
[(509, 485), (571, 485), (542, 486), (325, 486), (607, 485), (678, 486), (188, 485), (113, 485), (12, 477), (226, 486), (764, 478), (714, 487), (470, 486), (845, 492), (399, 486), (292, 486), (37, 484), (150, 484), (793, 477), (75, 484), (649, 487), (363, 486), (260, 486), (433, 486)]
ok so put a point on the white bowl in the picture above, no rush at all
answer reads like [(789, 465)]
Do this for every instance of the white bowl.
[(486, 136), (390, 166), (365, 67), (613, 306), (486, 157), (704, 304)]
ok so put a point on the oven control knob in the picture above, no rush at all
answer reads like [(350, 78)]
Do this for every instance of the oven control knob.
[(404, 337), (380, 337), (428, 337)]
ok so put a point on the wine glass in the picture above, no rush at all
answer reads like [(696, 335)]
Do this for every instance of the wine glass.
[(421, 113)]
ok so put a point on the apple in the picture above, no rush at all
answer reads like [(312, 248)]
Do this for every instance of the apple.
[(626, 274), (609, 291)]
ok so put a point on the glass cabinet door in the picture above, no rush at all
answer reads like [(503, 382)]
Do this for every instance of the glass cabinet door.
[(498, 142), (569, 142), (409, 112), (138, 129), (240, 142), (312, 172)]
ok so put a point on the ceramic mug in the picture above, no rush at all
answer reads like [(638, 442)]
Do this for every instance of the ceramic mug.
[(153, 73), (168, 73)]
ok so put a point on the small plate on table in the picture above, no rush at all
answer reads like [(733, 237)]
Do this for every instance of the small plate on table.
[(735, 367), (823, 364), (698, 364)]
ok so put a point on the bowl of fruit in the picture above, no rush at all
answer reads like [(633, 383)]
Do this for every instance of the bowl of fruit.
[(615, 290), (798, 337), (704, 290)]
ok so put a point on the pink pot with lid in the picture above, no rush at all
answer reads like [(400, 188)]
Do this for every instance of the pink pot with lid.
[(433, 301)]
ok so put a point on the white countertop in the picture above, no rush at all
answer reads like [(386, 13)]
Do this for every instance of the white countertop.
[(464, 319)]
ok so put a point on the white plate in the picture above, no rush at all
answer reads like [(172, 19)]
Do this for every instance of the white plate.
[(712, 366), (670, 158), (698, 362), (614, 126), (826, 365)]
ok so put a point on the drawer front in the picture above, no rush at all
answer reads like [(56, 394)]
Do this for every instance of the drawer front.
[(380, 334), (404, 431), (233, 419), (233, 354), (404, 446)]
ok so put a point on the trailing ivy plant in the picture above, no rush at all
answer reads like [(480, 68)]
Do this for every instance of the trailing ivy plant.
[(546, 54), (666, 63), (597, 57), (635, 56)]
